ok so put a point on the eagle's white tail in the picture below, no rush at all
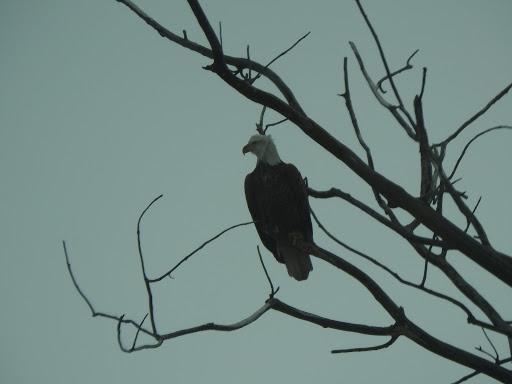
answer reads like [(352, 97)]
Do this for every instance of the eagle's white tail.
[(297, 263)]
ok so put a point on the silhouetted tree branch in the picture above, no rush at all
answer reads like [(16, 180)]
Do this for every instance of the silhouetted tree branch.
[(427, 208)]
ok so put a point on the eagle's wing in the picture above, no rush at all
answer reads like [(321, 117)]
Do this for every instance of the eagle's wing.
[(254, 195), (295, 210)]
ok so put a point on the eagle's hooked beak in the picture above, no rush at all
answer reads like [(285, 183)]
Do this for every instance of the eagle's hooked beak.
[(247, 148)]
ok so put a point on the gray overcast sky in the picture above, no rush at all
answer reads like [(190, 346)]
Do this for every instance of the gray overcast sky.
[(99, 115)]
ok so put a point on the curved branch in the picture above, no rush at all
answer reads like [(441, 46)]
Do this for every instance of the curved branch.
[(272, 290), (475, 116), (281, 55), (168, 273), (461, 205), (277, 305), (398, 71), (146, 280), (367, 349), (471, 141), (219, 327), (88, 302), (353, 118)]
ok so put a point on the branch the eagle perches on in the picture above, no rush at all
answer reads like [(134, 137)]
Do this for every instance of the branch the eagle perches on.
[(427, 209)]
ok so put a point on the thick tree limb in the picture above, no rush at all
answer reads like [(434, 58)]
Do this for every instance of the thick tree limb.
[(409, 329)]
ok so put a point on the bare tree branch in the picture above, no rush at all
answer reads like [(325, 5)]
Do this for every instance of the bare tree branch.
[(476, 373), (236, 62), (279, 306), (474, 117), (137, 333), (427, 185), (386, 66), (87, 301), (168, 273), (146, 280), (281, 55), (355, 124), (272, 291), (367, 349), (471, 141), (410, 330), (463, 208), (405, 68), (401, 230), (420, 286)]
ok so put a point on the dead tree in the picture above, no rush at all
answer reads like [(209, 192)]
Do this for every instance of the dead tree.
[(427, 208)]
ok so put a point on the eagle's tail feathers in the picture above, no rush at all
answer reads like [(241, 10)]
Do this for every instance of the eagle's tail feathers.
[(297, 263)]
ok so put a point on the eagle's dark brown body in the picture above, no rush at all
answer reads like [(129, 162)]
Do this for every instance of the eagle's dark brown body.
[(278, 201)]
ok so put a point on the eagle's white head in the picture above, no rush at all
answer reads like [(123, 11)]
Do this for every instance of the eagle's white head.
[(263, 147)]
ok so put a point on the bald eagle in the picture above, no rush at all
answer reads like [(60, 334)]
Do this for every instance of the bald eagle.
[(278, 201)]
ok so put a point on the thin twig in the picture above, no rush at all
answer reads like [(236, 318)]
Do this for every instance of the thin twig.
[(272, 292), (274, 124), (468, 222), (496, 355), (393, 109), (425, 267), (480, 349), (259, 126), (137, 333), (423, 81), (366, 349), (280, 55), (196, 250), (471, 141), (119, 335), (93, 311), (406, 67), (74, 281), (353, 118), (425, 270), (249, 58), (475, 116), (457, 198), (146, 280), (384, 61)]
